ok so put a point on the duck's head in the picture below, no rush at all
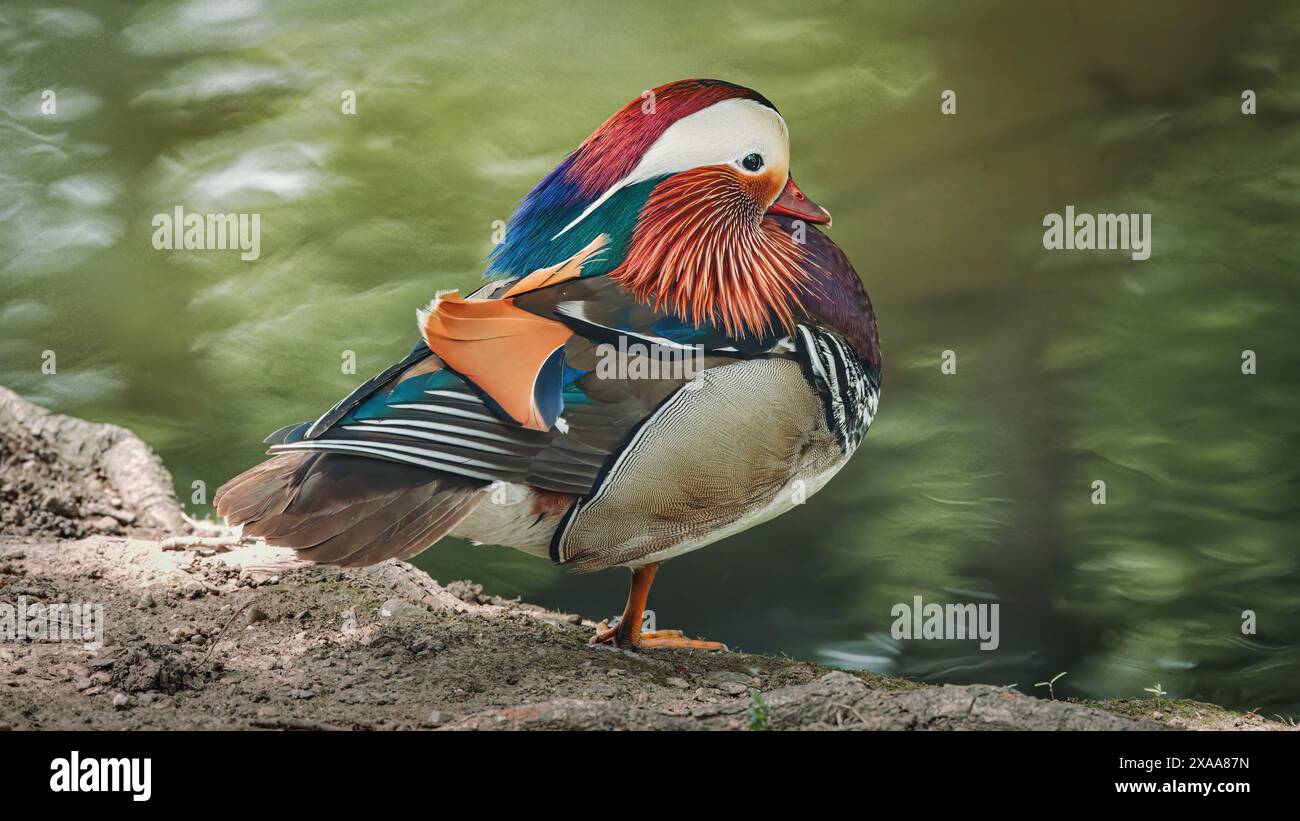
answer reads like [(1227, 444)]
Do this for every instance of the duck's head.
[(682, 180)]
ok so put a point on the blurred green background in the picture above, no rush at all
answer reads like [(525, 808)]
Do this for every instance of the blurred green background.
[(1072, 366)]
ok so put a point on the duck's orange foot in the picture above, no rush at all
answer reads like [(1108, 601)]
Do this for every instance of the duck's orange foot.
[(674, 640), (652, 640)]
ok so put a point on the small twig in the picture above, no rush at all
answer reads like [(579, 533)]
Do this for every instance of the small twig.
[(222, 631), (1051, 685), (191, 542)]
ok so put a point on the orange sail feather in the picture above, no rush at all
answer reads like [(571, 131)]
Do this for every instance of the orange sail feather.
[(502, 348)]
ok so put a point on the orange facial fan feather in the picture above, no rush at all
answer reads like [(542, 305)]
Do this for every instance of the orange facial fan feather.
[(499, 347), (703, 250)]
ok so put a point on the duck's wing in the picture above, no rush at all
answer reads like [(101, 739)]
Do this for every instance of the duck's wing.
[(432, 417), (402, 466)]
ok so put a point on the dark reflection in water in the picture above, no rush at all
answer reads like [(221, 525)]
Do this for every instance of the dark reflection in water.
[(974, 487)]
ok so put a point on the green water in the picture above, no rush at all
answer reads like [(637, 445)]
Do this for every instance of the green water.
[(1072, 367)]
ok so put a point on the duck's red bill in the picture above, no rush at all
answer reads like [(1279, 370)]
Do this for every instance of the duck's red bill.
[(794, 203)]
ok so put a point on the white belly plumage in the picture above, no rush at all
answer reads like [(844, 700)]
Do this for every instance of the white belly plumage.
[(506, 517)]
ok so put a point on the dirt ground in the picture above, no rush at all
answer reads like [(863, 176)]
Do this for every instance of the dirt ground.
[(205, 631), (244, 636), (249, 638)]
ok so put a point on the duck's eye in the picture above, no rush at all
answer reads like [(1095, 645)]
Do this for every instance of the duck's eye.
[(752, 162)]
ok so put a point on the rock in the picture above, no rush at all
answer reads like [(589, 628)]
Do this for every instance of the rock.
[(74, 671), (465, 590), (75, 455), (106, 524), (146, 601), (256, 614), (121, 701), (434, 719), (732, 688), (400, 608)]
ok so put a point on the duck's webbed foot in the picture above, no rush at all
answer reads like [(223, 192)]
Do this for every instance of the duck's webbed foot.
[(627, 635), (651, 639)]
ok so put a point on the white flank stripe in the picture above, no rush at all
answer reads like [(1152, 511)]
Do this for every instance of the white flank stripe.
[(445, 428), (436, 437), (451, 460), (464, 396), (463, 414)]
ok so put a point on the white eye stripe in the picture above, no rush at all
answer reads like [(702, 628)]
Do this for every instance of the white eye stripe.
[(722, 133), (725, 132)]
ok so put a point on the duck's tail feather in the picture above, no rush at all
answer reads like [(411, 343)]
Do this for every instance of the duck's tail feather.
[(347, 510)]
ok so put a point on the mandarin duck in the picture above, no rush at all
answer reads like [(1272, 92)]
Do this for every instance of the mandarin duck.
[(666, 353)]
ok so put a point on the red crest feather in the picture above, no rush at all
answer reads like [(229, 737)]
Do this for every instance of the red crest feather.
[(615, 148)]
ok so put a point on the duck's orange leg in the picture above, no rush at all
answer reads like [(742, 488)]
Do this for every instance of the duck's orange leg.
[(628, 634)]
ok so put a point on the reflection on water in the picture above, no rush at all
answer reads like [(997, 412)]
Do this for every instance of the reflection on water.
[(973, 487)]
